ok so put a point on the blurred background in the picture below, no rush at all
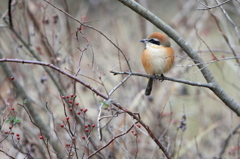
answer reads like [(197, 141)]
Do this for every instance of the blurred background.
[(83, 51)]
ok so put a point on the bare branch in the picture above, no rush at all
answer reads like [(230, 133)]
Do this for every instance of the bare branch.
[(198, 84), (7, 154), (96, 92), (115, 137), (10, 13), (90, 27), (31, 109), (224, 36), (230, 20), (226, 141), (230, 102), (207, 7), (118, 85)]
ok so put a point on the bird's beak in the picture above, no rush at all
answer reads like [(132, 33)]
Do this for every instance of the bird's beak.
[(143, 40)]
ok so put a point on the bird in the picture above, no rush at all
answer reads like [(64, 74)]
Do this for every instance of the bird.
[(157, 57)]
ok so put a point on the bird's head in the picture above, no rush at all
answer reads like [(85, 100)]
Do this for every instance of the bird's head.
[(157, 39)]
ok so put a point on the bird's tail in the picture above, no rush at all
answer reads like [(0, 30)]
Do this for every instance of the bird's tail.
[(149, 87)]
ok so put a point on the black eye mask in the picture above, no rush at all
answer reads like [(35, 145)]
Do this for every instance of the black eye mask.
[(154, 41)]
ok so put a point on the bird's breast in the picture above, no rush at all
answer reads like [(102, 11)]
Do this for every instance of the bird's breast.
[(157, 59)]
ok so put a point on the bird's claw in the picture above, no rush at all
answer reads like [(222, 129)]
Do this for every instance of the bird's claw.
[(160, 78)]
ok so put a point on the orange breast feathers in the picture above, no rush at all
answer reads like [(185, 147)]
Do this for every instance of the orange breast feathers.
[(157, 60), (157, 57)]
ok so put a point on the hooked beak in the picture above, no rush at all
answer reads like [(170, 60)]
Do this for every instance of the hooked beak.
[(144, 40)]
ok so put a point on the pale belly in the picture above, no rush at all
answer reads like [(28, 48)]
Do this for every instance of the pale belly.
[(157, 61)]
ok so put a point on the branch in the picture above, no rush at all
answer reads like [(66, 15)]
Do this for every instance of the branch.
[(115, 137), (226, 141), (230, 20), (56, 69), (90, 27), (222, 95), (31, 109), (10, 13), (96, 92), (198, 84), (29, 115), (207, 7), (7, 154)]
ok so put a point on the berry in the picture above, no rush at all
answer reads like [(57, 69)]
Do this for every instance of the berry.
[(85, 126), (63, 97), (17, 135), (85, 110), (73, 138), (18, 138), (78, 113), (12, 78), (93, 125), (9, 127), (72, 95), (70, 102), (67, 118), (86, 130), (213, 57), (6, 132), (62, 125), (138, 125), (38, 48), (83, 18), (83, 137), (77, 103), (40, 137), (12, 133), (81, 109), (12, 108), (70, 109)]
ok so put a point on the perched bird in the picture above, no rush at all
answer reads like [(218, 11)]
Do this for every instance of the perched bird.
[(157, 57)]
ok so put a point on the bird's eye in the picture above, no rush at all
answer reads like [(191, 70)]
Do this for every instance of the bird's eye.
[(154, 41)]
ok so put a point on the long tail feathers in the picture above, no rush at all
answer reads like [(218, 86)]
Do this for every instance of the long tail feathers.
[(149, 87)]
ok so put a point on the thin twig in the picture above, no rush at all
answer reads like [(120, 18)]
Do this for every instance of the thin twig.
[(224, 36), (98, 123), (207, 7), (215, 50), (198, 84), (230, 20), (118, 85), (115, 137), (45, 143), (10, 13), (90, 27), (225, 143), (7, 154), (197, 32), (210, 62)]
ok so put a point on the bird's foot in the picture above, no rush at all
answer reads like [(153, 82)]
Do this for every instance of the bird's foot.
[(161, 78)]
